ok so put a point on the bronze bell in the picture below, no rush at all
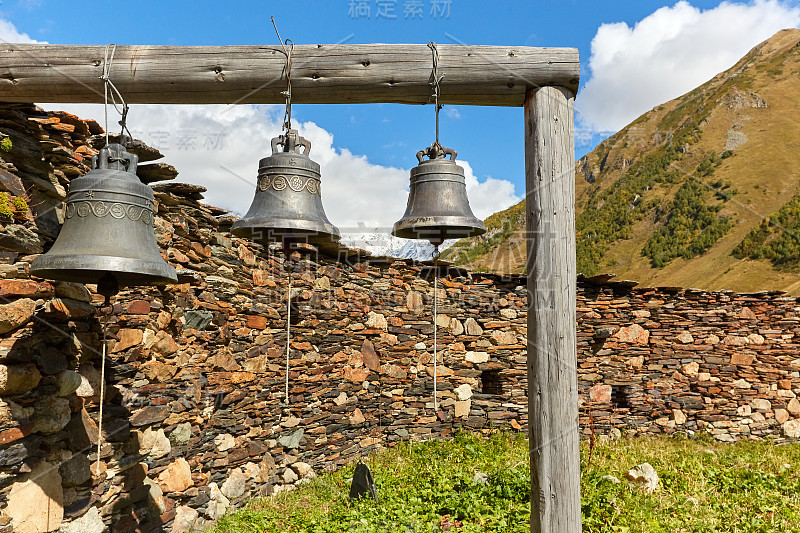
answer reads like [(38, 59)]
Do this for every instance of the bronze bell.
[(438, 208), (288, 204), (107, 236)]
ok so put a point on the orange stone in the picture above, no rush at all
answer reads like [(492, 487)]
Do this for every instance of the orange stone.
[(242, 377), (14, 434), (139, 307), (127, 338), (261, 278), (24, 287), (634, 334), (739, 358), (747, 314), (356, 375), (256, 322)]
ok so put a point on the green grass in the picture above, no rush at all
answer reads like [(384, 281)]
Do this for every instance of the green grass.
[(747, 487)]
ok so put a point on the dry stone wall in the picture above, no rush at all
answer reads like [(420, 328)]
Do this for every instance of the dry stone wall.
[(670, 359), (195, 419)]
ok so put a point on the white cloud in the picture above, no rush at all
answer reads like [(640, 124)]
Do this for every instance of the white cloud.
[(670, 52), (451, 112), (489, 196), (10, 34), (219, 147)]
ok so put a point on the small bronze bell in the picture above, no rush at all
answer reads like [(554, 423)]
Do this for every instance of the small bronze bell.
[(438, 208), (107, 236), (288, 204)]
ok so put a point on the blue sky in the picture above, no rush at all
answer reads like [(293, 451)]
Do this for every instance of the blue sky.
[(644, 52)]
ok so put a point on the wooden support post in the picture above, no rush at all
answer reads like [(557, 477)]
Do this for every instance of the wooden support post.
[(552, 351)]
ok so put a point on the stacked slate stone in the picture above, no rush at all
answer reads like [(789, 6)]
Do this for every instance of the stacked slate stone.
[(655, 360), (195, 421)]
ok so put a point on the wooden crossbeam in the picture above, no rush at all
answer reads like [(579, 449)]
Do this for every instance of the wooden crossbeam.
[(321, 74)]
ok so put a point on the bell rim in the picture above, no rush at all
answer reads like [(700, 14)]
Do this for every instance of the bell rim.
[(458, 227), (90, 268)]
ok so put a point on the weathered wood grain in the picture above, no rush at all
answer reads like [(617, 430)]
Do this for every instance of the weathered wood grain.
[(552, 351), (329, 74)]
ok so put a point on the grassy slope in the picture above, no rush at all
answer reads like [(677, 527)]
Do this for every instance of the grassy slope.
[(506, 253), (770, 159), (747, 487)]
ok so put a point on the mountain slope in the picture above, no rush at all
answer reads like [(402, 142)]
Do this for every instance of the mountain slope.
[(678, 196)]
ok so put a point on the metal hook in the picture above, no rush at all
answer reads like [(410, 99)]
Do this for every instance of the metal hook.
[(435, 80), (110, 89), (287, 68)]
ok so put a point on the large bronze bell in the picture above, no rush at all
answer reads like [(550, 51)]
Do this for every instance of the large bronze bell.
[(107, 236), (288, 204), (438, 208)]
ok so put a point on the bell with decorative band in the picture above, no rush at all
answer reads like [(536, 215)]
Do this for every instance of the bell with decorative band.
[(438, 208), (107, 236), (288, 204)]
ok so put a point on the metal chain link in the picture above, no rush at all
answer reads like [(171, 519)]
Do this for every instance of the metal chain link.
[(287, 69), (109, 89), (435, 83)]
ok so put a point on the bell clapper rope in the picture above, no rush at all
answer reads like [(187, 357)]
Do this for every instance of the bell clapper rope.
[(107, 286), (287, 48), (102, 387), (288, 266), (435, 326)]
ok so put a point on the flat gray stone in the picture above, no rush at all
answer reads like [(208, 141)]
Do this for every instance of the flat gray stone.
[(181, 434), (291, 441), (198, 320), (91, 522), (234, 486)]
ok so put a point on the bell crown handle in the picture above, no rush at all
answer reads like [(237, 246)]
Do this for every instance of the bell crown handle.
[(291, 142), (115, 156), (437, 151)]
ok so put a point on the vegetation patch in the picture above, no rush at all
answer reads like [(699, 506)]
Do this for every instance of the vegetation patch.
[(5, 143), (691, 224), (776, 238), (12, 207), (747, 487), (611, 213)]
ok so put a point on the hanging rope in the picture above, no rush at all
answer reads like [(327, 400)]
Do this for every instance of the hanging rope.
[(102, 390), (435, 81), (435, 325), (288, 318), (110, 90), (287, 126), (287, 69)]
